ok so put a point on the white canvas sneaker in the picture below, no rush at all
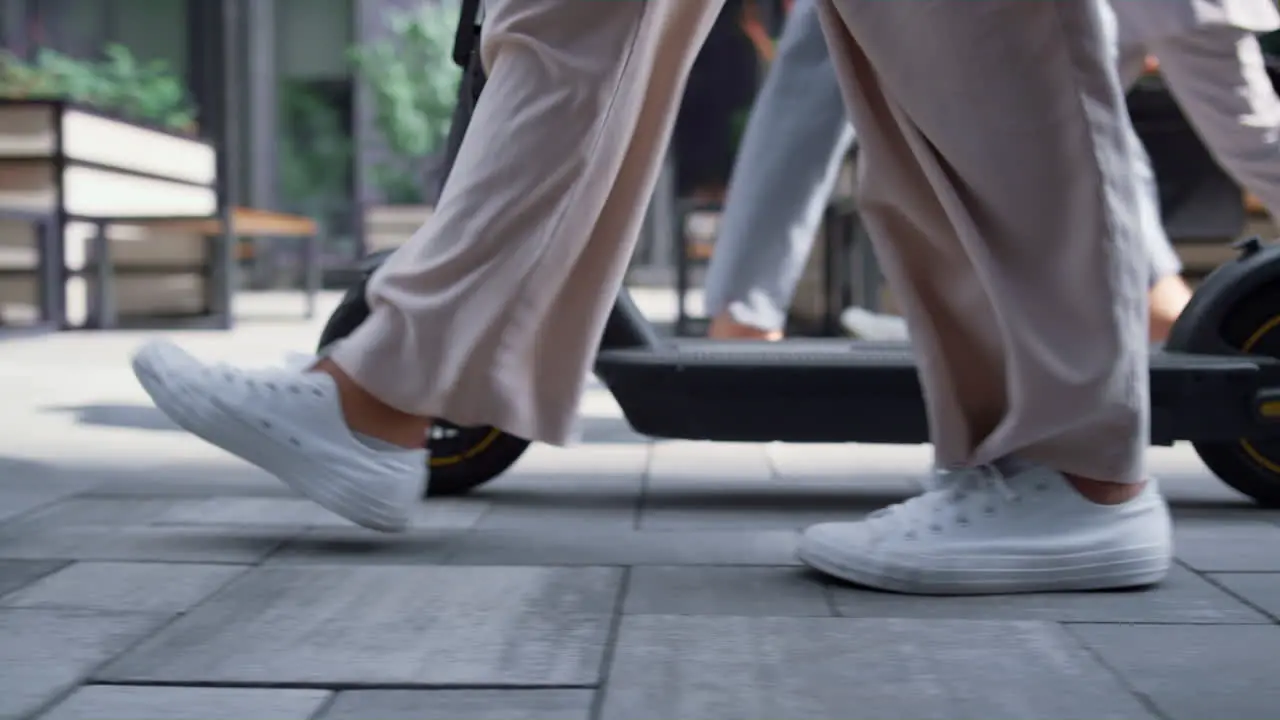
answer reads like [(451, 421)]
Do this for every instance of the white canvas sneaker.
[(289, 423), (863, 324), (978, 532)]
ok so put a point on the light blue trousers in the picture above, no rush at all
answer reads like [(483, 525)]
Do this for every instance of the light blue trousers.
[(790, 157)]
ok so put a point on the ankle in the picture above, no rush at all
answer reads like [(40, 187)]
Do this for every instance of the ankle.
[(367, 415), (724, 327), (1102, 492)]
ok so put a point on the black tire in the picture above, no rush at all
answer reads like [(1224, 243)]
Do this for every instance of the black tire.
[(461, 458), (1252, 467)]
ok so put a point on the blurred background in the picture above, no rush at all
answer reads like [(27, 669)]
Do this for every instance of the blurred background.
[(329, 119), (335, 110)]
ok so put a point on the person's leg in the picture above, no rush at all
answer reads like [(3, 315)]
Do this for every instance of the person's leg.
[(1002, 214), (1219, 78), (789, 159), (1169, 293), (491, 313)]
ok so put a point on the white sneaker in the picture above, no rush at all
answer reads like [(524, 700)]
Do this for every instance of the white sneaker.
[(977, 532), (877, 327), (289, 423)]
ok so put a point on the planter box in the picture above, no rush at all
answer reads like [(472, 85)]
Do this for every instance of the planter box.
[(83, 176), (388, 226)]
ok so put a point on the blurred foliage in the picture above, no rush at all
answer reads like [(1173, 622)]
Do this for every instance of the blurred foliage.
[(119, 84), (316, 151), (415, 86)]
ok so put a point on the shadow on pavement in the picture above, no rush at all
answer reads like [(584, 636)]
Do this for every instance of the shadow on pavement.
[(144, 417), (134, 417)]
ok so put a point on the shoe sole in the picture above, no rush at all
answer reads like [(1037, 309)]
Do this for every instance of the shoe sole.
[(1152, 567), (239, 438)]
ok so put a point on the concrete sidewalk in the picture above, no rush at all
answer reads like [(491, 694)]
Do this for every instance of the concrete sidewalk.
[(145, 575)]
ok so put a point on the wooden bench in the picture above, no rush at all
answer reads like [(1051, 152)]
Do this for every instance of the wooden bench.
[(244, 223)]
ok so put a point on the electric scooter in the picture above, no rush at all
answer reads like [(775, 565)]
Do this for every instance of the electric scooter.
[(1216, 383)]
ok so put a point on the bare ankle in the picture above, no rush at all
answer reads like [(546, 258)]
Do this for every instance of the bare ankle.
[(724, 327), (367, 415), (1103, 492)]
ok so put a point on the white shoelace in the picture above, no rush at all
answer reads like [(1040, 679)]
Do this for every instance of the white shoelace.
[(948, 499)]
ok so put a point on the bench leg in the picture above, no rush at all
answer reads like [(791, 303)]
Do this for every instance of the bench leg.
[(311, 271), (52, 273), (102, 296), (220, 288)]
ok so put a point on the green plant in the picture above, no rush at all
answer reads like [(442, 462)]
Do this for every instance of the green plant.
[(119, 83), (415, 86), (315, 150)]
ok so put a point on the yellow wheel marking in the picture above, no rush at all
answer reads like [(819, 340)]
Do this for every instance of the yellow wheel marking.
[(494, 434), (1267, 408)]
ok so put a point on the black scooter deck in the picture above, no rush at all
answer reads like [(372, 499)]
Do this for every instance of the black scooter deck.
[(841, 391)]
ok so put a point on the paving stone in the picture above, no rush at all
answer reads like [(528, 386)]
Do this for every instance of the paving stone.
[(899, 467), (1221, 547), (782, 592), (460, 705), (17, 503), (126, 587), (615, 462), (237, 546), (15, 574), (43, 653), (353, 546), (114, 702), (675, 462), (570, 546), (387, 626), (1191, 672), (1183, 598), (186, 478), (297, 512), (84, 513), (822, 668), (27, 486), (1262, 590), (726, 504), (608, 505)]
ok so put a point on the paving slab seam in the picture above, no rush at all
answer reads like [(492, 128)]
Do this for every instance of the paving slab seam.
[(642, 493), (323, 708), (332, 686), (610, 647), (1212, 580), (87, 677), (56, 566), (1145, 699)]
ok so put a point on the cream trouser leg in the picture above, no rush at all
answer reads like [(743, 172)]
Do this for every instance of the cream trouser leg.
[(999, 193), (491, 313), (1217, 75)]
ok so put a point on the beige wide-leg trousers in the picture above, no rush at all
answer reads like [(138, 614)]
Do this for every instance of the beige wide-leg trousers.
[(1218, 75), (998, 192)]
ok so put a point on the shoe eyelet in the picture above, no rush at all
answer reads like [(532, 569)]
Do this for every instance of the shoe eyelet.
[(910, 535), (935, 528), (962, 521), (266, 424), (317, 393), (295, 442), (270, 386), (988, 510), (1042, 486), (295, 389)]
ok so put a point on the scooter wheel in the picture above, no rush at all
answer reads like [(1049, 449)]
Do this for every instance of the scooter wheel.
[(460, 458), (1250, 466)]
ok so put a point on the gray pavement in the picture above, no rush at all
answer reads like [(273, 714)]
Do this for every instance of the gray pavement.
[(144, 575)]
